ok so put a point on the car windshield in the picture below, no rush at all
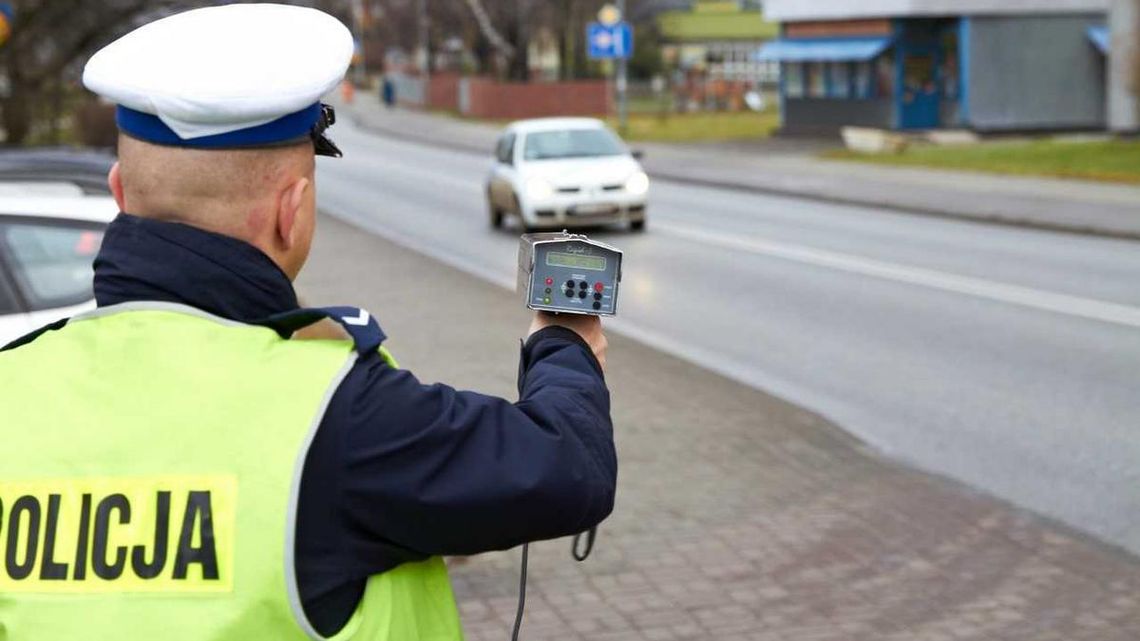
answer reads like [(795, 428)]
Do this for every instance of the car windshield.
[(572, 143), (51, 261)]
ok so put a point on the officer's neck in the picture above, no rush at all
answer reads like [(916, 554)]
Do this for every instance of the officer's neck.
[(144, 259)]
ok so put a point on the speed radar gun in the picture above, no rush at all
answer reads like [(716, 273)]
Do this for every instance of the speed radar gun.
[(569, 273), (566, 273)]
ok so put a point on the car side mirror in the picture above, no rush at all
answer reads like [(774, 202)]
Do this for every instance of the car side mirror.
[(638, 154)]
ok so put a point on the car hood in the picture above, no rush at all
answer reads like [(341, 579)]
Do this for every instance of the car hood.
[(578, 172)]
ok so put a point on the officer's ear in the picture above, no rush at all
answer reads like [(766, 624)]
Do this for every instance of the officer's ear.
[(289, 210), (115, 182)]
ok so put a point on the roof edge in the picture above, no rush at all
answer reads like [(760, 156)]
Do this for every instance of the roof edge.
[(812, 10)]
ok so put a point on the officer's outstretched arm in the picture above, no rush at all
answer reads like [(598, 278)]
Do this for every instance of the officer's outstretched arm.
[(442, 471)]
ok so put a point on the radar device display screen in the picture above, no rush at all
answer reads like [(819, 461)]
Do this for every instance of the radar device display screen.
[(558, 259), (569, 273)]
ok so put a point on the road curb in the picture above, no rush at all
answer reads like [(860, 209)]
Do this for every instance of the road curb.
[(920, 210)]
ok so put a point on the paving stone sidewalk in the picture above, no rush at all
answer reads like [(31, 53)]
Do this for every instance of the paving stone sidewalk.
[(739, 517), (1059, 204)]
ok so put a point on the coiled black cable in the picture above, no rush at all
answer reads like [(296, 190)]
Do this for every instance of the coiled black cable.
[(590, 535)]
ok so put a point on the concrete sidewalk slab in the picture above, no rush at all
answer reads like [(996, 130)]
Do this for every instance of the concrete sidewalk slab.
[(739, 516), (1055, 204)]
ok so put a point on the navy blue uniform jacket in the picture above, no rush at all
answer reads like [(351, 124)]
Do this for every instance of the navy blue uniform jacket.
[(398, 470)]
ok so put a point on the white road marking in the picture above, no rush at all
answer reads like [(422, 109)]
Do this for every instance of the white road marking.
[(1088, 308)]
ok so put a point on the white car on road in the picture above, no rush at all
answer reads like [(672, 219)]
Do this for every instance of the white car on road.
[(565, 172), (47, 245)]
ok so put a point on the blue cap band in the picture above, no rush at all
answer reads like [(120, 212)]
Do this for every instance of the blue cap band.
[(150, 128)]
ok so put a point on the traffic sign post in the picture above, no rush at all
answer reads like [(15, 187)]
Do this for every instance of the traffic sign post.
[(609, 42), (612, 39), (609, 15)]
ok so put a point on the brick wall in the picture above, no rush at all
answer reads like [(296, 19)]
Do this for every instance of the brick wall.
[(837, 28), (486, 98), (443, 91)]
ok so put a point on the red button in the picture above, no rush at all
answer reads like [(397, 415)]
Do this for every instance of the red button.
[(549, 281), (599, 287)]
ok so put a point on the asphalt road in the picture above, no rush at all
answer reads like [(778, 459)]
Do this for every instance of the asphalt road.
[(1003, 357)]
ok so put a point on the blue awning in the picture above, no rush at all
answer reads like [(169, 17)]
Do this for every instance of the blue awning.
[(822, 49), (1099, 37)]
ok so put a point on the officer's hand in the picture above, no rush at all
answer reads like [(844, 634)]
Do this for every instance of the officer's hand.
[(588, 327)]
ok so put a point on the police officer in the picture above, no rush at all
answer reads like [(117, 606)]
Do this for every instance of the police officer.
[(178, 465)]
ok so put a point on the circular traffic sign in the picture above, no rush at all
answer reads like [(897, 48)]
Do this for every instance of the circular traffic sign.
[(609, 15)]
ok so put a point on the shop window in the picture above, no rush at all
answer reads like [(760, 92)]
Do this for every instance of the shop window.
[(816, 80), (770, 70), (863, 80), (839, 80), (885, 77), (862, 84), (794, 80)]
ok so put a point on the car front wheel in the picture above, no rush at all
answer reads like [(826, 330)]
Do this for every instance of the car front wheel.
[(637, 225)]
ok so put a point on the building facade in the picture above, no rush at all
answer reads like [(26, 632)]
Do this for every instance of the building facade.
[(1001, 65), (711, 48)]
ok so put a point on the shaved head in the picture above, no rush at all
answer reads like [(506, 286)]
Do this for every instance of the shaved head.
[(249, 194), (217, 189)]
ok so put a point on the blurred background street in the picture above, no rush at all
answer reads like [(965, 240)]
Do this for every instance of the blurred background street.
[(739, 515), (976, 351)]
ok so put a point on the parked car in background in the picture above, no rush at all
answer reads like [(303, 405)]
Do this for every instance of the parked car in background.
[(49, 171), (565, 172), (47, 245)]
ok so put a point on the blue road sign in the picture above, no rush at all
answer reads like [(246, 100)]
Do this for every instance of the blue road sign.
[(609, 42)]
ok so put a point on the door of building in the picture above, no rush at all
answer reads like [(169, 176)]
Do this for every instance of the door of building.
[(920, 92)]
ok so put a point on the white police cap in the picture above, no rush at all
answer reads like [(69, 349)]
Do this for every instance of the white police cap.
[(239, 75)]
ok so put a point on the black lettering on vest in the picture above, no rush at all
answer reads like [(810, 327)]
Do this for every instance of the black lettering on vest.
[(114, 569), (200, 513), (150, 570), (31, 506), (80, 572), (50, 569)]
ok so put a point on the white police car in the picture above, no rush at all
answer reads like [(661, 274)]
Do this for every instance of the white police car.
[(47, 245), (565, 172)]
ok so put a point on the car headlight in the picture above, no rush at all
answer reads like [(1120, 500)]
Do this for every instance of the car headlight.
[(538, 189), (638, 184)]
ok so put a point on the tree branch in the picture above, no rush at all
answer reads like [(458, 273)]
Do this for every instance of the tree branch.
[(92, 37), (493, 36)]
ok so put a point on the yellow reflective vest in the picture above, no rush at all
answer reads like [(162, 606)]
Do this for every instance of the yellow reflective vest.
[(151, 462)]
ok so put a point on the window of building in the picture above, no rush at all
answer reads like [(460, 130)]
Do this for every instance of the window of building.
[(816, 80), (864, 80), (862, 84), (885, 77), (794, 80), (839, 80)]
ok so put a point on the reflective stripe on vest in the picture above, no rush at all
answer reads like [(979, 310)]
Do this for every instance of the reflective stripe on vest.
[(152, 456)]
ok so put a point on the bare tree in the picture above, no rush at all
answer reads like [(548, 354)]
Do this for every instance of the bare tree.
[(49, 38), (52, 38), (483, 20)]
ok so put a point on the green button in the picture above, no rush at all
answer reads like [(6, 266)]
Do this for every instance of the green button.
[(546, 300)]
